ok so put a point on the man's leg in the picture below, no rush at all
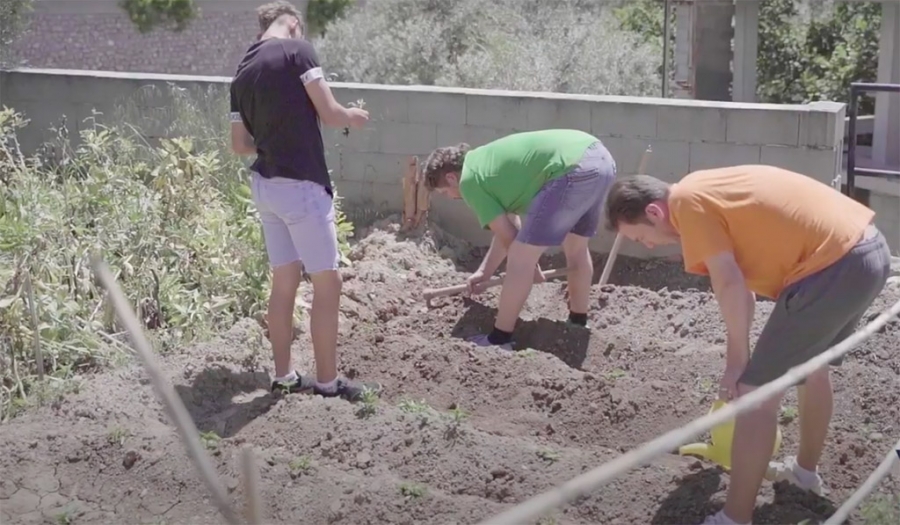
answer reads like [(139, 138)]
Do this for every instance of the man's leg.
[(816, 403), (286, 275), (308, 213), (599, 164), (520, 263), (580, 272), (808, 318)]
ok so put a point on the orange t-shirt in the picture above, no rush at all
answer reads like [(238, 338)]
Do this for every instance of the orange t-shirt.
[(781, 226)]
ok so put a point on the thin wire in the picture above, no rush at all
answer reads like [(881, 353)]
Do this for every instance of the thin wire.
[(865, 489)]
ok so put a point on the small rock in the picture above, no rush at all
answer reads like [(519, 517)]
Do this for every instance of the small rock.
[(131, 457), (876, 436), (695, 465), (363, 460)]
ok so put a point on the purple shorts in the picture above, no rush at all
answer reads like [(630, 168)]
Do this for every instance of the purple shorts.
[(571, 203)]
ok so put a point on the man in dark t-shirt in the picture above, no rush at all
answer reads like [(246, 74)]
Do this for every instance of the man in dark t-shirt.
[(278, 97)]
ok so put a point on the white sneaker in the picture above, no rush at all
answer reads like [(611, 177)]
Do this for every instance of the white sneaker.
[(779, 471), (719, 518)]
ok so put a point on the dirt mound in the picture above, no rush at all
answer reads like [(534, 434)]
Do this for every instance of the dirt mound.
[(460, 433)]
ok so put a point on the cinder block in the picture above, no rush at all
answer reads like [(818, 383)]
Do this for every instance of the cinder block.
[(779, 127), (554, 113), (479, 136), (497, 111), (407, 139), (365, 140), (437, 108), (823, 125), (382, 105), (691, 124), (623, 118), (387, 197), (707, 155), (668, 160), (820, 164), (374, 167), (451, 134), (355, 194), (458, 220)]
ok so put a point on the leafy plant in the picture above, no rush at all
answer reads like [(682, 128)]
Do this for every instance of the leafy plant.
[(173, 218), (146, 15)]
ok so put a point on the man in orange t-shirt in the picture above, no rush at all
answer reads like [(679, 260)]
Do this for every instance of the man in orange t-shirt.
[(783, 235)]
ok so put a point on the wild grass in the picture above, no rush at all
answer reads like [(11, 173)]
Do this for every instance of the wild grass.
[(157, 193)]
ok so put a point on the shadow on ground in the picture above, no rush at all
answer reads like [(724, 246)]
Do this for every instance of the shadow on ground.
[(223, 401), (566, 342), (689, 502)]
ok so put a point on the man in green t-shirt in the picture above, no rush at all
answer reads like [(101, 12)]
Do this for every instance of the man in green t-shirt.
[(557, 179)]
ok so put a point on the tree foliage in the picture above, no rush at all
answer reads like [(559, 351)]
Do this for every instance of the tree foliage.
[(13, 21), (570, 47), (147, 15), (817, 56), (320, 13)]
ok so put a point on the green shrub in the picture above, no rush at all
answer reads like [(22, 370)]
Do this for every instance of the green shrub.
[(533, 45), (172, 217)]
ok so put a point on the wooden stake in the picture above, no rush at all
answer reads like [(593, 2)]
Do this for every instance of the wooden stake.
[(409, 192), (253, 510), (35, 327)]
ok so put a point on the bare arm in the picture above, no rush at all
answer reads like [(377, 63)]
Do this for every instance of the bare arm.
[(736, 302), (505, 232), (241, 140), (330, 111)]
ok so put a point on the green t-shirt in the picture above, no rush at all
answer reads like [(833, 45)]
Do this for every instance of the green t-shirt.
[(503, 176)]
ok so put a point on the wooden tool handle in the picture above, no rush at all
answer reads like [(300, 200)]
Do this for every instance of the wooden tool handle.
[(432, 293)]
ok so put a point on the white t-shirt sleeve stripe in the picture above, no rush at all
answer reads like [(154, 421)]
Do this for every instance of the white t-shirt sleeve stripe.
[(236, 117), (313, 74)]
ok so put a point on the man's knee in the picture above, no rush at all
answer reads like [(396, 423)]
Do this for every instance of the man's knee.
[(328, 282), (286, 278), (523, 257)]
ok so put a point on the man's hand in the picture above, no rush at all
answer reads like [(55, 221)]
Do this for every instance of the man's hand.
[(357, 117), (473, 283), (728, 384)]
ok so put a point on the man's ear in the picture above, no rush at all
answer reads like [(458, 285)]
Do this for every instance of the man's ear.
[(654, 212)]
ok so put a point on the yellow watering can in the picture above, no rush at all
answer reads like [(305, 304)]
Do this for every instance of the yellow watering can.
[(719, 451)]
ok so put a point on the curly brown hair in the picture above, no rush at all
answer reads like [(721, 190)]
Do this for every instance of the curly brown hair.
[(269, 13), (440, 162)]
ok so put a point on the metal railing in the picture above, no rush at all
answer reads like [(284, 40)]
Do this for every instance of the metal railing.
[(857, 89)]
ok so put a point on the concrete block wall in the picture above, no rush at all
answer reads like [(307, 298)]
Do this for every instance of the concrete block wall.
[(684, 135)]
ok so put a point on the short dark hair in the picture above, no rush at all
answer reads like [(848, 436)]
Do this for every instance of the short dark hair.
[(442, 161), (629, 197), (269, 13)]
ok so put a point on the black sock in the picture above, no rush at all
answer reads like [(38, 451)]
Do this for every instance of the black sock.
[(579, 319), (499, 337)]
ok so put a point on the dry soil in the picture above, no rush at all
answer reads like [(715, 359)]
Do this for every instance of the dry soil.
[(460, 433)]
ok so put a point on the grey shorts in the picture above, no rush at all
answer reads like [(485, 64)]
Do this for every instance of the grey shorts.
[(297, 222), (821, 310), (571, 203)]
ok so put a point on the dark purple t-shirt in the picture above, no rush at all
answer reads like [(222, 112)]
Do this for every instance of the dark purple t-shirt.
[(268, 95)]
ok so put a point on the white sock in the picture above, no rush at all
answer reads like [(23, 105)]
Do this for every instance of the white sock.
[(329, 387), (723, 519), (806, 477), (288, 378)]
